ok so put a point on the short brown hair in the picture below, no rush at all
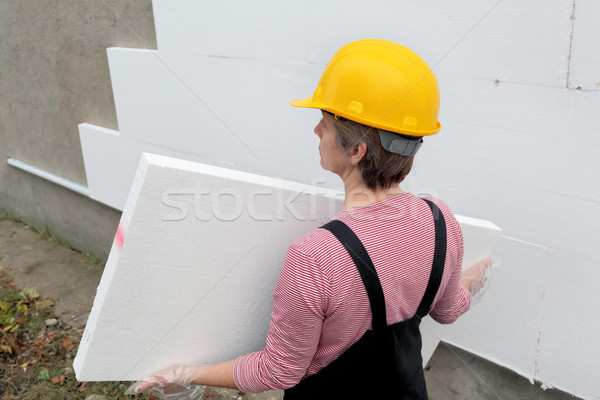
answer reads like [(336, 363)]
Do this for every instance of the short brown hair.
[(379, 168)]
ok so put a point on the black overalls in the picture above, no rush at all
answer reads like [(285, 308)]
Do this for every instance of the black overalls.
[(386, 362)]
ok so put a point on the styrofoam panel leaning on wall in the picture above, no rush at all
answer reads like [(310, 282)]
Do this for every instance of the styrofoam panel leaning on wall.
[(500, 35), (193, 266), (111, 161), (219, 109)]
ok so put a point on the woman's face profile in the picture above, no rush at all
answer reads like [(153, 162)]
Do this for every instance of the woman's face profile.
[(333, 159)]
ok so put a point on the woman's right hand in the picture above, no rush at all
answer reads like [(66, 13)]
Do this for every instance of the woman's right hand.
[(474, 278), (169, 381)]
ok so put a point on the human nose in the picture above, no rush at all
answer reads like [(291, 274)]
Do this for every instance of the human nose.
[(317, 130)]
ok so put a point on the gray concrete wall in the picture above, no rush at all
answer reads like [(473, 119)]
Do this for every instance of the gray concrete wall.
[(54, 75)]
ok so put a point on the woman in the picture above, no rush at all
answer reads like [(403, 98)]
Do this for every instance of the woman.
[(351, 294)]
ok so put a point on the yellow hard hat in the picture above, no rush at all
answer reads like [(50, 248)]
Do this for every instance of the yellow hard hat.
[(380, 84)]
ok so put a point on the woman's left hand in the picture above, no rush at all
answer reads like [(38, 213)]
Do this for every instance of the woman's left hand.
[(475, 277)]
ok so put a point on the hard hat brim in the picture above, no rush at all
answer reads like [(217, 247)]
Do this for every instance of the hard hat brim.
[(309, 102), (306, 102)]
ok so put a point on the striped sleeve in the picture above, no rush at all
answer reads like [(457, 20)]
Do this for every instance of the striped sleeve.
[(454, 300), (299, 303)]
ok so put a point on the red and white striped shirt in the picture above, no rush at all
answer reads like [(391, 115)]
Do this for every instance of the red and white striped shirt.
[(320, 305)]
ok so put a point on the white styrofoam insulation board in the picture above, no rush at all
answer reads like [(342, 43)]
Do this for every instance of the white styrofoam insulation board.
[(221, 110), (194, 263), (112, 159), (500, 34), (519, 144)]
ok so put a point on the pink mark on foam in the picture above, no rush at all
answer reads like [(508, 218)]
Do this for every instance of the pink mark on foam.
[(119, 237)]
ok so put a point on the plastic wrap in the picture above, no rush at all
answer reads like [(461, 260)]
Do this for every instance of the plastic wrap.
[(173, 383), (478, 277)]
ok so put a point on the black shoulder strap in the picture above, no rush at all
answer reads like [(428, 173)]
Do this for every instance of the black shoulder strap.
[(439, 259), (365, 267), (367, 271)]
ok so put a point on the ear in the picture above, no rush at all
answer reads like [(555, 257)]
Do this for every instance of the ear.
[(358, 153)]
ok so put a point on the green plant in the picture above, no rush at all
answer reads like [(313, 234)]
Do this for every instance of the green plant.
[(6, 216)]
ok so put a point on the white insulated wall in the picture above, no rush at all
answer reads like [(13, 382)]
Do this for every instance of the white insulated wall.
[(520, 85)]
